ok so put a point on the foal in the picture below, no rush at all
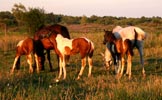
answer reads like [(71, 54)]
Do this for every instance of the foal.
[(64, 46), (24, 47), (119, 49)]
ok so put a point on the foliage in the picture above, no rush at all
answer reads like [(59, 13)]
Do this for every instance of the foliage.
[(51, 18), (83, 20), (35, 19), (7, 18), (19, 12)]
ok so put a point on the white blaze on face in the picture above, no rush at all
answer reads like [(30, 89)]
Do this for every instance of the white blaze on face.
[(62, 43), (20, 43)]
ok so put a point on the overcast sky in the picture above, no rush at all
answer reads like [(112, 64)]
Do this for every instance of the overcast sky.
[(119, 8)]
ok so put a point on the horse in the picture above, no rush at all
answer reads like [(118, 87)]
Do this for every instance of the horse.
[(129, 33), (64, 46), (119, 49), (24, 47), (41, 44)]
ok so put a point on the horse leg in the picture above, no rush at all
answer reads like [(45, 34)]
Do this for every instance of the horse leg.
[(36, 60), (58, 62), (121, 67), (129, 65), (14, 64), (18, 64), (116, 67), (82, 68), (140, 49), (67, 57), (29, 60), (123, 63), (90, 66), (49, 60), (62, 67)]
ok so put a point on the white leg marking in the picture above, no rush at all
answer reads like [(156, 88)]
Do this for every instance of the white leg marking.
[(60, 66), (82, 68), (90, 66), (64, 67), (36, 60), (14, 64), (29, 60)]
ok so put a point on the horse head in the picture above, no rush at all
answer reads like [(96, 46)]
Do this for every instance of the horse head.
[(39, 51), (108, 37)]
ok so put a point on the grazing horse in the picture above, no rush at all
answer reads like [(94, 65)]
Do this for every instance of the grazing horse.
[(64, 46), (119, 49), (129, 33), (24, 47), (43, 43)]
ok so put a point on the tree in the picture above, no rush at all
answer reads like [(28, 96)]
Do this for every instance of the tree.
[(35, 18), (19, 11), (83, 20), (7, 18)]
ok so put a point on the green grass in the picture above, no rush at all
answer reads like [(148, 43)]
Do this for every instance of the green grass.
[(101, 86)]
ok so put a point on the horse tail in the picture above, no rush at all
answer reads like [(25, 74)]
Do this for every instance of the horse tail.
[(91, 50), (65, 32), (129, 47), (135, 37)]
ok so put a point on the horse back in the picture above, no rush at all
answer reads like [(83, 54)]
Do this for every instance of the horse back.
[(59, 29), (55, 29), (84, 46), (26, 47)]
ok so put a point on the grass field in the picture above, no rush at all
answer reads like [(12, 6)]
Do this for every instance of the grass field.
[(101, 86)]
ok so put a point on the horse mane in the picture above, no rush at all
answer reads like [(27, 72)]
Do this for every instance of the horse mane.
[(111, 37)]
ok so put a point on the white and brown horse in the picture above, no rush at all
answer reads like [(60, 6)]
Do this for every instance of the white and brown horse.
[(42, 43), (129, 33), (119, 49), (24, 47), (64, 46)]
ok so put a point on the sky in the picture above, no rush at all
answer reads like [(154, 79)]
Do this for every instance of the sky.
[(118, 8)]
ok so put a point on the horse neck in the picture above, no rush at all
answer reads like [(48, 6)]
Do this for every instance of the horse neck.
[(113, 39)]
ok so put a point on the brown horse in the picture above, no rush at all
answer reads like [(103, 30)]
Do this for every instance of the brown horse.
[(24, 47), (119, 49), (44, 43), (64, 46)]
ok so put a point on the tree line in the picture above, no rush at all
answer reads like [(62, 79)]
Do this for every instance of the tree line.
[(34, 18)]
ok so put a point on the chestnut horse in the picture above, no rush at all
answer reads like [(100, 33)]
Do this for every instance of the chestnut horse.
[(64, 46), (119, 49), (129, 33), (24, 47), (42, 43)]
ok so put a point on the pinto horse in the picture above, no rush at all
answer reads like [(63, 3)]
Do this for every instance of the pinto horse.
[(119, 49), (64, 46), (129, 33), (24, 47), (42, 43)]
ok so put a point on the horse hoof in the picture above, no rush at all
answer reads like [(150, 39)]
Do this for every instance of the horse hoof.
[(118, 76), (78, 78), (57, 80), (11, 73)]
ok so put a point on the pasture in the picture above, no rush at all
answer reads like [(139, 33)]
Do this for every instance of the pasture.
[(102, 85)]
